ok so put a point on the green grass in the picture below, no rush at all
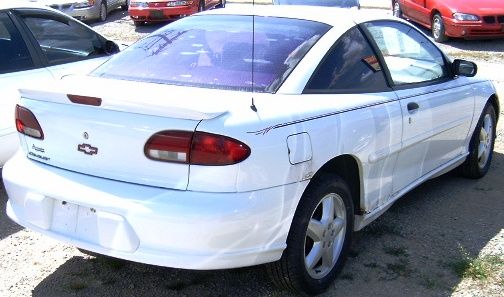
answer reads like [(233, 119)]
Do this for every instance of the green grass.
[(400, 268), (477, 268)]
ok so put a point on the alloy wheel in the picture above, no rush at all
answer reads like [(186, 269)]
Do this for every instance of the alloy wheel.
[(325, 236)]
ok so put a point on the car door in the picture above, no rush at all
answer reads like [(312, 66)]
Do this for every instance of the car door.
[(437, 108), (18, 68), (351, 78), (417, 11), (65, 45)]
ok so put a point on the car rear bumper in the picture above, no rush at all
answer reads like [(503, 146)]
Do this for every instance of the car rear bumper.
[(455, 28), (160, 14), (181, 229)]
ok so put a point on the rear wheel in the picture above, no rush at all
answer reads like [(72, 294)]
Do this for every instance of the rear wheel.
[(438, 28), (103, 11), (201, 6), (396, 9), (319, 238), (481, 146), (222, 4)]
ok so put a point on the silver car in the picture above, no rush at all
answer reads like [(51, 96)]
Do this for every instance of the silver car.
[(85, 10)]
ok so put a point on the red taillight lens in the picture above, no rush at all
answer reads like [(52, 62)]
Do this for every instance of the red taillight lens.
[(212, 149), (196, 148), (27, 124)]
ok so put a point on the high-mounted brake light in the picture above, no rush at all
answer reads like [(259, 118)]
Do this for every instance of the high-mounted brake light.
[(196, 148), (27, 124), (86, 100)]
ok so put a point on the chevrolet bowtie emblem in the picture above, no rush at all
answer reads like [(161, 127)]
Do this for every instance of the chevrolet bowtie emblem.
[(87, 149)]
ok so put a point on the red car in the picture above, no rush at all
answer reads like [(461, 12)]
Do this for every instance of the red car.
[(455, 18), (142, 11)]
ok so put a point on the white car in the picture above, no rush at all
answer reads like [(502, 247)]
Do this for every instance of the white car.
[(245, 136), (37, 46)]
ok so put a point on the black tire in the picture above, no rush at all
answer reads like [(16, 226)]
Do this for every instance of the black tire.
[(103, 12), (481, 145), (292, 272), (201, 6), (396, 9), (438, 28), (222, 4), (125, 6)]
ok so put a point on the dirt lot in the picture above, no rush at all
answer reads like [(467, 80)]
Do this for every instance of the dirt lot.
[(420, 247)]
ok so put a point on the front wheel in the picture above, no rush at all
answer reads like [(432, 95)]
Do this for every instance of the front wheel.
[(438, 29), (221, 4), (103, 12), (319, 238), (481, 146)]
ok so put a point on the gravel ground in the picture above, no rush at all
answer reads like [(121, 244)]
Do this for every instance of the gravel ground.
[(412, 250)]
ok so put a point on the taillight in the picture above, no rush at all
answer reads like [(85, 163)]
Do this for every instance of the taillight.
[(27, 124), (196, 148), (169, 146)]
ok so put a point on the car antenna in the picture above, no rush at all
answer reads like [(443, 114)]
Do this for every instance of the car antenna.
[(253, 107)]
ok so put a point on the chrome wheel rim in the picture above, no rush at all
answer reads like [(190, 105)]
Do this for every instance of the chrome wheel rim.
[(325, 236), (396, 9), (485, 144), (436, 27)]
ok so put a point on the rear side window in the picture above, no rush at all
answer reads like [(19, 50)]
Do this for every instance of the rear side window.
[(218, 51), (350, 66), (14, 55), (64, 41)]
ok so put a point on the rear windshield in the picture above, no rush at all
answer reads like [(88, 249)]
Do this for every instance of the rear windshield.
[(215, 51)]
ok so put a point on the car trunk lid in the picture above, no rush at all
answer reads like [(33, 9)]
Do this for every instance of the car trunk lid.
[(108, 140)]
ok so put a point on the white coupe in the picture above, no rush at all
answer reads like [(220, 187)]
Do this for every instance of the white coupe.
[(245, 136)]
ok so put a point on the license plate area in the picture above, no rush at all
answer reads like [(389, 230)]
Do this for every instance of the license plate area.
[(157, 14), (86, 224), (74, 220)]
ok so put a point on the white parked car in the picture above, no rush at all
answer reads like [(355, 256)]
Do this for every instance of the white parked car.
[(244, 136), (37, 46)]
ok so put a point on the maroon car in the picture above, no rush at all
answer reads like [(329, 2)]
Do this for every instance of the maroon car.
[(454, 18)]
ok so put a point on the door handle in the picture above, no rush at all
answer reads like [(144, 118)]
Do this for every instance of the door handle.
[(412, 106)]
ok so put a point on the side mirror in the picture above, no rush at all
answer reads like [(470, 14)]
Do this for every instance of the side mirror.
[(111, 47), (464, 68)]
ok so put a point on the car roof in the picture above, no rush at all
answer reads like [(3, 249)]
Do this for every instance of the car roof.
[(333, 16)]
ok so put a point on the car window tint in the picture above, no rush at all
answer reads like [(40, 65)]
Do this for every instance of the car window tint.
[(218, 51), (64, 41), (14, 55), (350, 66), (410, 56)]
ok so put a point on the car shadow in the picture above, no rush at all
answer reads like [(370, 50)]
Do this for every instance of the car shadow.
[(7, 226), (414, 247)]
